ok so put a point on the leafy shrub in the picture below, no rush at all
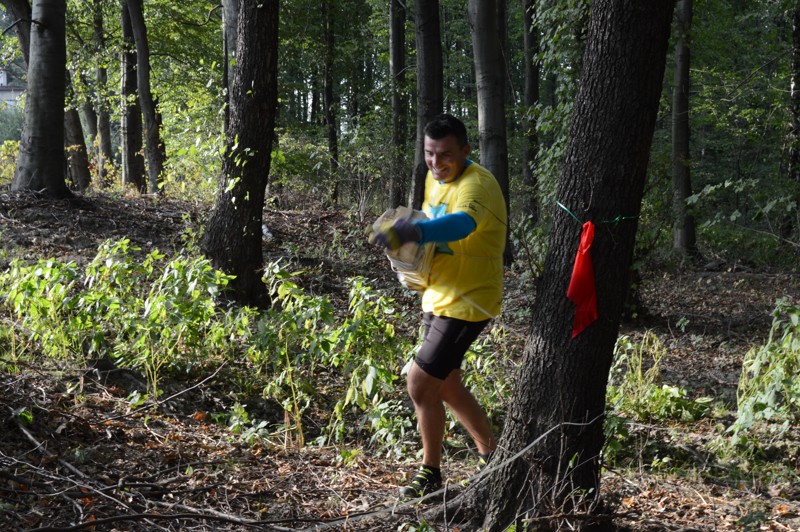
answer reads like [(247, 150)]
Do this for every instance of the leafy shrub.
[(148, 316), (636, 391), (769, 387)]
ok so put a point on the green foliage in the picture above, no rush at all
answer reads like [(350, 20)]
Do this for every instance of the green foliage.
[(291, 338), (635, 390), (8, 160), (530, 243), (486, 370), (38, 296), (11, 118), (769, 387), (240, 424), (147, 315), (369, 354)]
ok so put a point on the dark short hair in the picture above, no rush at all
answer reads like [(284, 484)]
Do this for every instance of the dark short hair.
[(444, 125)]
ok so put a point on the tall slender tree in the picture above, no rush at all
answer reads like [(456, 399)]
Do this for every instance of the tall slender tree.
[(154, 148), (105, 155), (559, 397), (530, 184), (490, 73), (683, 230), (397, 70), (133, 168), (232, 240), (430, 95), (329, 98), (75, 144), (41, 163)]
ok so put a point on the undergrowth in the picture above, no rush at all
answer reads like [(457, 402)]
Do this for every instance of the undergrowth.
[(163, 317)]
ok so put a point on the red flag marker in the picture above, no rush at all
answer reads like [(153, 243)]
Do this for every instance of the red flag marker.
[(581, 286)]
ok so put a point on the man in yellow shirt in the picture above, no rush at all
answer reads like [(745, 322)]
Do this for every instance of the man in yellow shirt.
[(467, 221)]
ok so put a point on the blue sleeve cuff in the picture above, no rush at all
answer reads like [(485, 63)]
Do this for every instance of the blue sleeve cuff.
[(447, 228)]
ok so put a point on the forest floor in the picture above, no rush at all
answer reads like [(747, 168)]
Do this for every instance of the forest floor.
[(90, 460)]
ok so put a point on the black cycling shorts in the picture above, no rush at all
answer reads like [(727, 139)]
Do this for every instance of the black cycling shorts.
[(444, 343)]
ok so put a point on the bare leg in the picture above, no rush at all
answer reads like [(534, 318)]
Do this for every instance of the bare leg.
[(424, 391), (429, 395), (468, 412)]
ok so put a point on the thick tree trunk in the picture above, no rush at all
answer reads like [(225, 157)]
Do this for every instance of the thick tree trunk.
[(154, 150), (40, 164), (133, 170), (683, 231), (397, 67), (232, 240), (328, 96), (75, 144), (20, 11), (530, 183), (562, 380), (105, 159), (430, 97)]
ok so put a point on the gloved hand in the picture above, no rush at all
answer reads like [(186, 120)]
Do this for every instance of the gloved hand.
[(394, 235)]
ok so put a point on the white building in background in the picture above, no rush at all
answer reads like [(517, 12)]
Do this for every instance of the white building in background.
[(10, 94)]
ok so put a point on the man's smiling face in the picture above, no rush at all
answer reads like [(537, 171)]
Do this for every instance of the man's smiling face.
[(445, 158)]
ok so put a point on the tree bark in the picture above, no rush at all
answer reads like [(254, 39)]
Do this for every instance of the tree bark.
[(562, 380), (233, 237), (490, 80), (683, 230), (397, 67), (75, 144), (105, 154), (90, 119), (20, 11), (328, 96), (154, 149), (530, 183), (430, 97), (133, 169), (40, 164)]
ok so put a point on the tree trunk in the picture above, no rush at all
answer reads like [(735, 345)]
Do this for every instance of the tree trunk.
[(40, 164), (397, 66), (684, 240), (233, 237), (505, 45), (530, 183), (75, 144), (790, 228), (90, 119), (154, 149), (230, 16), (430, 98), (328, 96), (20, 11), (105, 154), (562, 380), (490, 80), (133, 170)]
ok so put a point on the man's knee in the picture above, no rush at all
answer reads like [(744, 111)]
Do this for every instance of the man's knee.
[(422, 387)]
